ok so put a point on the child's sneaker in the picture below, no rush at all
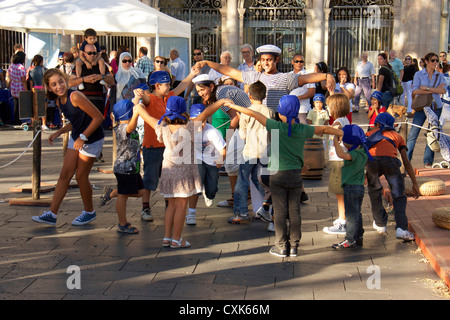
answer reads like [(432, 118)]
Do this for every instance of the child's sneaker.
[(146, 214), (278, 252), (84, 218), (404, 235), (381, 230), (48, 218), (191, 219), (264, 215), (337, 228), (106, 196), (344, 245), (238, 219)]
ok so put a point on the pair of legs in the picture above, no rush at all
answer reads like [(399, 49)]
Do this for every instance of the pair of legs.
[(364, 85), (74, 162), (419, 120), (174, 219)]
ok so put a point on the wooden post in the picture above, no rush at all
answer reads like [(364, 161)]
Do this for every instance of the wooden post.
[(37, 146)]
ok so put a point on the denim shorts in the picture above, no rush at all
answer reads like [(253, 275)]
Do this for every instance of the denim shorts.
[(91, 150), (153, 158)]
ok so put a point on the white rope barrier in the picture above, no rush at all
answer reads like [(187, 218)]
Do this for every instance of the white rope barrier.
[(20, 155)]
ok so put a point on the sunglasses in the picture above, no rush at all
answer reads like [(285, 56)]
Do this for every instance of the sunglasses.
[(126, 61), (299, 61), (407, 58), (91, 53), (434, 60), (159, 61), (198, 54)]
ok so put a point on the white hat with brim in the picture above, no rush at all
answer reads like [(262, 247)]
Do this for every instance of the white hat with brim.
[(203, 79), (268, 49)]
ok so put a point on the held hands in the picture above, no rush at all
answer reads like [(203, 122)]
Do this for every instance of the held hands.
[(331, 83)]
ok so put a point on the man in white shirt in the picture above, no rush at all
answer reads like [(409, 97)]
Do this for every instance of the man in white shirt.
[(177, 68), (248, 64), (364, 80), (303, 93), (225, 59)]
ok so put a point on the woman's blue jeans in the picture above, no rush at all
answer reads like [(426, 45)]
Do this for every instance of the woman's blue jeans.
[(419, 119)]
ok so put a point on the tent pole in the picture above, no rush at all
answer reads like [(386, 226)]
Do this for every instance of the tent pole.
[(157, 38)]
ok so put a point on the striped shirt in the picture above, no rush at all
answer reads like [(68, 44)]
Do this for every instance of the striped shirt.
[(278, 85)]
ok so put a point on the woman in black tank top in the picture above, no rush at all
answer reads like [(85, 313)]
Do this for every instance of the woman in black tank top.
[(85, 124)]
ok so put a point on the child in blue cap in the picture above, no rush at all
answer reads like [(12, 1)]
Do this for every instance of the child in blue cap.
[(210, 152), (127, 164), (353, 183), (376, 108), (285, 164), (180, 178), (385, 144), (318, 116)]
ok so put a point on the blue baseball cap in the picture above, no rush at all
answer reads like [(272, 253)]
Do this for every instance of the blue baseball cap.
[(319, 97), (123, 110), (196, 109), (159, 77), (377, 95)]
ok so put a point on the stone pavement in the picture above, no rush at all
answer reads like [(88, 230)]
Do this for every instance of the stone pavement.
[(225, 262)]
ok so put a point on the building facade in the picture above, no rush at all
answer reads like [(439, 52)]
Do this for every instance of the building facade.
[(334, 31)]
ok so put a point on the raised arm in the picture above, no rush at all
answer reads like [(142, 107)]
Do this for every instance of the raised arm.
[(186, 81), (258, 116), (225, 70), (317, 77), (209, 111), (140, 109)]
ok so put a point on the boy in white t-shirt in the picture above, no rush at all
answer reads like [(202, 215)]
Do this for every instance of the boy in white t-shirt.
[(210, 154)]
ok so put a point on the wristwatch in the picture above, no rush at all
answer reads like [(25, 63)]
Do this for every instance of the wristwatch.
[(83, 137)]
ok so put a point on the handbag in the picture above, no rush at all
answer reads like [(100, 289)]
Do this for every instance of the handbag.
[(422, 100)]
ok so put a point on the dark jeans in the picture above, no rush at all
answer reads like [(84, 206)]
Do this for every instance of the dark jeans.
[(390, 168), (286, 189), (419, 119), (353, 198), (209, 176)]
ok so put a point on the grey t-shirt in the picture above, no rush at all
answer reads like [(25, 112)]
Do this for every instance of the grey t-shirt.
[(128, 158)]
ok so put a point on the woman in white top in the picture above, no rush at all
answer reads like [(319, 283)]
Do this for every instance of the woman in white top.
[(345, 86)]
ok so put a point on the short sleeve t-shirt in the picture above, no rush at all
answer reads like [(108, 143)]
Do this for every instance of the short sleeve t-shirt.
[(277, 85), (353, 170), (128, 151), (286, 152), (384, 147), (156, 108), (384, 71)]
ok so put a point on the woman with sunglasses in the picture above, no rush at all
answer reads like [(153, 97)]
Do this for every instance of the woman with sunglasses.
[(426, 81), (127, 78), (408, 76)]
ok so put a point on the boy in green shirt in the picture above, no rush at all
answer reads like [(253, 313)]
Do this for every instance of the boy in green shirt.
[(285, 165), (353, 183)]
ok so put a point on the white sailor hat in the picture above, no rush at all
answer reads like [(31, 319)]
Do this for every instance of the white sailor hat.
[(203, 78), (268, 49)]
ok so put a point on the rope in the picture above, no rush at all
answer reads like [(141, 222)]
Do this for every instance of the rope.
[(20, 155)]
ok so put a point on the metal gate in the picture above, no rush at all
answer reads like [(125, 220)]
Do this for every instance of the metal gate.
[(206, 28), (284, 27), (357, 29)]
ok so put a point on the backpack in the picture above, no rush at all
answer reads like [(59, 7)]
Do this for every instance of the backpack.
[(395, 87)]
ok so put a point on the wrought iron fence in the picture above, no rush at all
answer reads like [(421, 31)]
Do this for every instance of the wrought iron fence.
[(357, 29)]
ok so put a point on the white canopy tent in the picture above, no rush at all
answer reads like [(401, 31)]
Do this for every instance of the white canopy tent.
[(106, 17)]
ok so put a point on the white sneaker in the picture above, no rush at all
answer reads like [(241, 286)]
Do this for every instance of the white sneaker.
[(264, 215), (191, 219), (44, 127), (404, 235), (381, 230), (81, 86), (271, 227), (337, 228), (146, 214), (208, 202)]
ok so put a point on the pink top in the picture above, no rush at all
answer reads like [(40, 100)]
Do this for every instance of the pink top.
[(16, 72)]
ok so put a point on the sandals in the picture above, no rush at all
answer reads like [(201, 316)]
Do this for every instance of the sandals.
[(106, 196), (178, 244), (127, 228), (167, 242)]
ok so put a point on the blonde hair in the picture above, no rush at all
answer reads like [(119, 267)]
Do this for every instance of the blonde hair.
[(339, 105)]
